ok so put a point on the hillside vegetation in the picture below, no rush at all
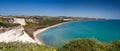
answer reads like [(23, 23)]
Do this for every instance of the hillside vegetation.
[(75, 45), (30, 28), (90, 45), (5, 24)]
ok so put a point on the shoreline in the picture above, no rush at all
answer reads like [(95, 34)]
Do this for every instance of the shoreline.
[(43, 29)]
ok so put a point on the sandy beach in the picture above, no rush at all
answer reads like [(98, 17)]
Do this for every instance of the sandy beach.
[(41, 30)]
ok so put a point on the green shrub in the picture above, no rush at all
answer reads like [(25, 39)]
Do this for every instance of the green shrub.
[(82, 45), (116, 46), (89, 45), (17, 46)]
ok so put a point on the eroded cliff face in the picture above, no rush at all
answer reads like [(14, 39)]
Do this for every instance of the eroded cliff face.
[(20, 21), (17, 34)]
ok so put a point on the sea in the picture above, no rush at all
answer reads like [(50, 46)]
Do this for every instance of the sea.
[(106, 31)]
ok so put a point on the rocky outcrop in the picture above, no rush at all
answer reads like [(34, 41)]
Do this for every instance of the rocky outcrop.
[(17, 34)]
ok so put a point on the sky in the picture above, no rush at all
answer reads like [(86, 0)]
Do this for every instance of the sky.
[(109, 9)]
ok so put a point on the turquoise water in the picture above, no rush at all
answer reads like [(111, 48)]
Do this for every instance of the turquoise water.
[(103, 30)]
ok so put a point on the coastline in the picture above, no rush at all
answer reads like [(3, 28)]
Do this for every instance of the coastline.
[(43, 29)]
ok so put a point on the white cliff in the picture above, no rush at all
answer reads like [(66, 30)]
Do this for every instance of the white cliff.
[(20, 21), (17, 34)]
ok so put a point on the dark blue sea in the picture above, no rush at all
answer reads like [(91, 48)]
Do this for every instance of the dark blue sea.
[(106, 31)]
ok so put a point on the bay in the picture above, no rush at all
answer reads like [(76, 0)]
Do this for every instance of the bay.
[(106, 31)]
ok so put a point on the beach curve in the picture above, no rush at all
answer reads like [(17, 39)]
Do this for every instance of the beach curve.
[(35, 34)]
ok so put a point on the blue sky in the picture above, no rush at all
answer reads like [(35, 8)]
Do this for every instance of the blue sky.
[(81, 8)]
